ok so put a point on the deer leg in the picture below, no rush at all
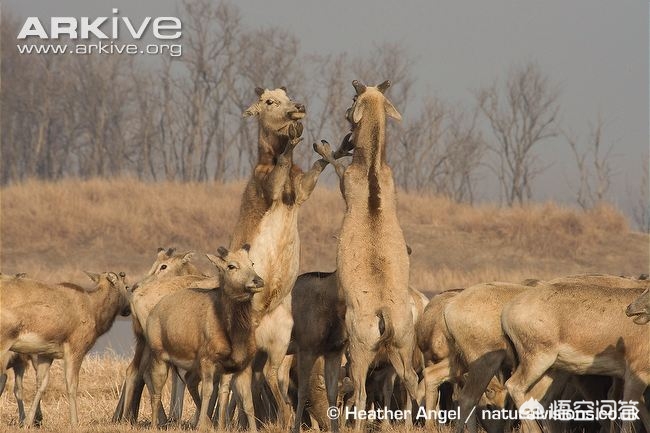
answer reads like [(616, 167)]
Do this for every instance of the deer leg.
[(306, 361), (222, 401), (155, 379), (243, 382), (633, 389), (143, 371), (208, 370), (359, 363), (72, 366), (177, 393), (308, 181), (275, 181), (19, 372), (271, 374), (332, 370), (325, 151), (434, 376), (124, 405), (528, 372), (42, 378), (192, 380), (403, 365), (387, 393)]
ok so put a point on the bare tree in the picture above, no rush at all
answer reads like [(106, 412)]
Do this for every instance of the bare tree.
[(593, 164), (522, 115), (441, 150), (204, 87), (420, 150)]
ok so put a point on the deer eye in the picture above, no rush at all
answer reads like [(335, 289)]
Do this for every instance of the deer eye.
[(163, 267)]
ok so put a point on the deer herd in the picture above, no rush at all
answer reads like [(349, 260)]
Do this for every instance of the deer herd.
[(255, 342)]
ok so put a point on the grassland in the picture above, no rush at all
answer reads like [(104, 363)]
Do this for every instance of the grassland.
[(53, 231)]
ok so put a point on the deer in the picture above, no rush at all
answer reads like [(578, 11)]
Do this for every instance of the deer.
[(268, 222), (577, 328), (18, 363), (472, 327), (145, 294), (206, 332), (372, 259), (319, 331), (61, 321)]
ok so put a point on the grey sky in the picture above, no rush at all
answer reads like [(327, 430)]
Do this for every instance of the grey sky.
[(595, 50)]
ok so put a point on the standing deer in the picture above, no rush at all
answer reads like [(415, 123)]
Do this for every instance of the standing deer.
[(60, 321), (145, 295), (205, 332)]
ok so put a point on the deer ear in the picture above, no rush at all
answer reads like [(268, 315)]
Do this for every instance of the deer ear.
[(391, 111), (359, 87), (92, 276), (383, 86), (357, 114), (217, 261), (112, 278), (223, 252), (253, 110), (187, 256)]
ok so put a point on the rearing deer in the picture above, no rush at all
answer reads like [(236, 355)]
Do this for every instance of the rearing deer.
[(268, 221), (372, 259)]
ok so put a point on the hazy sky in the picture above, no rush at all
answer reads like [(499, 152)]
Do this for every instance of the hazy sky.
[(595, 50)]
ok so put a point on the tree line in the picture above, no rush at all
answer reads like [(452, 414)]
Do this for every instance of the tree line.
[(179, 118)]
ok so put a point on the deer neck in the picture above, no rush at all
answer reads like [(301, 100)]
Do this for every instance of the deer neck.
[(105, 304), (238, 322), (370, 141), (270, 145)]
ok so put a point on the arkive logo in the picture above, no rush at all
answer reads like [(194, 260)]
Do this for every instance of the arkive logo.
[(102, 28)]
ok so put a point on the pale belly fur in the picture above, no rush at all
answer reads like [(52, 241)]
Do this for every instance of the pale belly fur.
[(275, 252), (32, 343)]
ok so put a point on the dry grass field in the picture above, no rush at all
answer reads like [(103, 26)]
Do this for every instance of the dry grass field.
[(53, 231)]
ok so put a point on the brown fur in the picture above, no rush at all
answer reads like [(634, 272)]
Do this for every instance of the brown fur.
[(56, 322), (580, 329), (435, 347), (318, 401), (473, 327), (206, 332), (380, 384), (159, 282), (18, 363)]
